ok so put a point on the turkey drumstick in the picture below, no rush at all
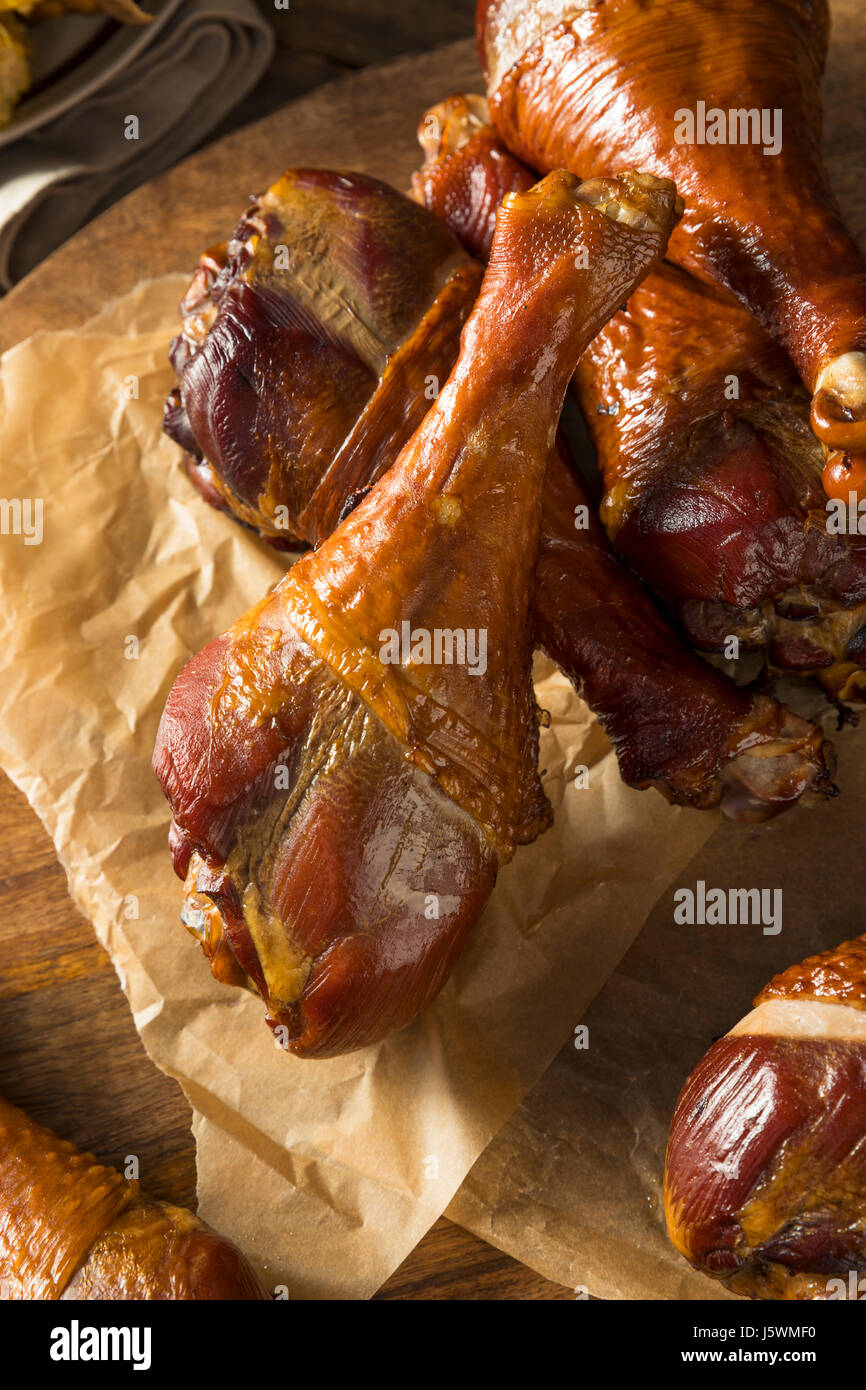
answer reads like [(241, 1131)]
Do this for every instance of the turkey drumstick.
[(71, 1228), (675, 723), (712, 477), (765, 1178), (350, 763), (725, 98), (311, 332)]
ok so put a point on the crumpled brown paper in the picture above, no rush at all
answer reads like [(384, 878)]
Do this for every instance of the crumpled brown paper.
[(326, 1172), (572, 1183)]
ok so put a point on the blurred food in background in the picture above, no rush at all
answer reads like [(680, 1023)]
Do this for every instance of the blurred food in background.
[(15, 18)]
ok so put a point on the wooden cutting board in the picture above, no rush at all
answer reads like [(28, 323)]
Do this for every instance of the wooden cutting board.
[(365, 122), (69, 1051)]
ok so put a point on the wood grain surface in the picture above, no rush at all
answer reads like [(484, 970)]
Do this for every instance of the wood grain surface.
[(364, 122), (69, 1051), (319, 40)]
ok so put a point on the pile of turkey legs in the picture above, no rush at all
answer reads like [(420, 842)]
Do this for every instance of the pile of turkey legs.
[(380, 378)]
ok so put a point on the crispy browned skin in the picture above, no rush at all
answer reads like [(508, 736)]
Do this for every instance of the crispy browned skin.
[(838, 975), (587, 86), (765, 1179), (346, 896), (712, 476), (311, 331), (675, 724), (467, 170), (317, 894), (712, 482), (72, 1228)]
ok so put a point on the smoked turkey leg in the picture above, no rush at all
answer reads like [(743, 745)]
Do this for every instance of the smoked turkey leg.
[(675, 724), (72, 1228), (683, 86), (340, 808), (765, 1178), (712, 477)]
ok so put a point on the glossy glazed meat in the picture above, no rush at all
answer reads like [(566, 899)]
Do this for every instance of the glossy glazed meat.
[(349, 764), (467, 170), (591, 615), (724, 98), (674, 723), (765, 1181), (310, 334), (712, 477), (712, 482), (72, 1228)]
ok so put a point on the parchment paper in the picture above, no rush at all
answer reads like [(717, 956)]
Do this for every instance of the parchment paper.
[(326, 1173)]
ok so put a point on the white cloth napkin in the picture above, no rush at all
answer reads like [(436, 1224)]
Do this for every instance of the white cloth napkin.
[(199, 64)]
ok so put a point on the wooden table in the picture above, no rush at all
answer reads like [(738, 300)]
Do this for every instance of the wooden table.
[(69, 1052)]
